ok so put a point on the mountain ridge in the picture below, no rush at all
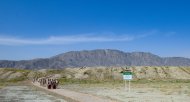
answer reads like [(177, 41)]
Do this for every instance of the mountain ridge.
[(98, 57)]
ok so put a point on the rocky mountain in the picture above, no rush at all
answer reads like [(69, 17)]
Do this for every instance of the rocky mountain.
[(93, 58)]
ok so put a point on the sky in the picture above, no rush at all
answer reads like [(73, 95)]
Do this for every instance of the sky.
[(32, 29)]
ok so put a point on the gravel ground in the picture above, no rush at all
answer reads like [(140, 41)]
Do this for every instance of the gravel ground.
[(26, 94), (142, 94)]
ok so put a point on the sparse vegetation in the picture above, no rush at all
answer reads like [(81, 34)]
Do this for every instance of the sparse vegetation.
[(14, 76), (113, 76), (16, 70)]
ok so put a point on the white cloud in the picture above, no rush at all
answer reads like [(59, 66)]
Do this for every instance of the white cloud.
[(61, 40)]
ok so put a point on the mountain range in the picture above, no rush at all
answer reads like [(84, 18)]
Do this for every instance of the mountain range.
[(93, 58)]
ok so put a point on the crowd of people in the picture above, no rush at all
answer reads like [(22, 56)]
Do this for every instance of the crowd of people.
[(50, 83)]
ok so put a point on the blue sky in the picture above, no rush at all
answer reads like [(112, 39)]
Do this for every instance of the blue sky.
[(43, 28)]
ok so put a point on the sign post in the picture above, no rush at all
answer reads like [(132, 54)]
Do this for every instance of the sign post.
[(127, 76)]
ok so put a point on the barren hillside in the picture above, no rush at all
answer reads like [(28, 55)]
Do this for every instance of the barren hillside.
[(94, 58), (139, 72), (100, 73)]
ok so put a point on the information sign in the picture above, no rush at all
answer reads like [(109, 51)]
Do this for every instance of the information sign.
[(127, 75)]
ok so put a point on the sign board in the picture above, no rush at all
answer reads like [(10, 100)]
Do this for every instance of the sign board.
[(127, 75)]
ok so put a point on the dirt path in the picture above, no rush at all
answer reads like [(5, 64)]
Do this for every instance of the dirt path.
[(75, 96)]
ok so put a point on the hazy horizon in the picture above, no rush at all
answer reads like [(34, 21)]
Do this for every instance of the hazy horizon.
[(87, 50)]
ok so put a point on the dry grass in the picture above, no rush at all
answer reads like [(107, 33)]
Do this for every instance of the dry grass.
[(142, 90)]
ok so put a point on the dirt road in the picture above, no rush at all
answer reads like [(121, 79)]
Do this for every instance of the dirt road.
[(75, 96)]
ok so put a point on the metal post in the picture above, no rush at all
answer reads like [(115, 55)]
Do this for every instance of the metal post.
[(129, 85), (125, 85)]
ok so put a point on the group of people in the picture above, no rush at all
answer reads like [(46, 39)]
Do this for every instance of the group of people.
[(50, 83)]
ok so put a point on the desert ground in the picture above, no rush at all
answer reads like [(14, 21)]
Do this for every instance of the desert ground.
[(149, 83), (139, 92), (24, 92)]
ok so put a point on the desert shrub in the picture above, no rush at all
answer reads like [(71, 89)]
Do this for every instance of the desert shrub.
[(88, 72)]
